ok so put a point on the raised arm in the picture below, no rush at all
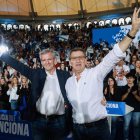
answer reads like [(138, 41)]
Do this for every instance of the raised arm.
[(124, 44), (20, 67)]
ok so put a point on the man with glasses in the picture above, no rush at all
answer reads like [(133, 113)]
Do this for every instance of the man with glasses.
[(85, 88)]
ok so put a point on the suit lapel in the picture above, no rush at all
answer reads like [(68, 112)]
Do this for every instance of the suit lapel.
[(43, 77), (60, 79)]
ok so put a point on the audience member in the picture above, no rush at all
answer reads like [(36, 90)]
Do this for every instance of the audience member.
[(132, 98)]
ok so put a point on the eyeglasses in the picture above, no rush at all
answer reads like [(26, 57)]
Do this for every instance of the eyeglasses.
[(77, 58)]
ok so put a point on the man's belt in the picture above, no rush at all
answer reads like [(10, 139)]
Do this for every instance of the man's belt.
[(50, 117), (92, 124), (53, 117)]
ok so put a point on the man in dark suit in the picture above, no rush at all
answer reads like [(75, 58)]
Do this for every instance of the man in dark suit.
[(46, 103)]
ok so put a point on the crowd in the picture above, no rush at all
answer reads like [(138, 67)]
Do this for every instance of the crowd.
[(25, 46)]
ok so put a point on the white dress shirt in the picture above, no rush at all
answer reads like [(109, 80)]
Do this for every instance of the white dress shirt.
[(13, 94), (85, 95), (51, 100)]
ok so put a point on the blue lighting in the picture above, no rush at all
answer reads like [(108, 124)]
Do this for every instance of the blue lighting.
[(6, 21), (58, 21)]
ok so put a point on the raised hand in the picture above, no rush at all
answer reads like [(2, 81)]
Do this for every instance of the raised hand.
[(126, 41), (136, 20)]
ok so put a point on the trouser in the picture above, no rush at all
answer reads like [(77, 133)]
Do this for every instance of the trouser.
[(98, 130), (135, 117), (49, 128), (14, 104)]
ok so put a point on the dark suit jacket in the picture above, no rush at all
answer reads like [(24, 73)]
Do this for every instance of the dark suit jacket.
[(37, 78)]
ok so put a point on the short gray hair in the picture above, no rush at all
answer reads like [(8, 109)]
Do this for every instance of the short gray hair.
[(45, 51)]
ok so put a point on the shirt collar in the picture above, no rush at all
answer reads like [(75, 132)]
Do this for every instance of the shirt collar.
[(51, 75), (82, 73)]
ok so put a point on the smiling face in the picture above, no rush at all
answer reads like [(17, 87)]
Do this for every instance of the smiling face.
[(48, 61), (14, 81), (78, 61), (110, 82)]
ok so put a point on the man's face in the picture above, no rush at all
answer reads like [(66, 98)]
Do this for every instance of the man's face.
[(48, 61), (62, 66), (88, 64), (78, 61)]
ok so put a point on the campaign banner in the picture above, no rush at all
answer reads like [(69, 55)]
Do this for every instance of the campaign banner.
[(115, 108), (9, 115), (114, 34), (12, 128)]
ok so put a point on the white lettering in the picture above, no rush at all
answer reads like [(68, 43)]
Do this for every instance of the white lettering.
[(112, 105), (26, 130), (3, 117), (6, 127), (1, 126), (14, 128), (11, 118), (20, 129)]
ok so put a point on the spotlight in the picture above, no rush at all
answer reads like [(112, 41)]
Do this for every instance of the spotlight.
[(3, 49)]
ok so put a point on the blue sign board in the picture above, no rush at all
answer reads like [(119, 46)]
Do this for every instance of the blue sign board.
[(12, 128), (115, 108)]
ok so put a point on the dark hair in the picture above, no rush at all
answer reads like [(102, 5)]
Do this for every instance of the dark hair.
[(132, 57), (115, 84), (130, 74), (77, 49), (9, 82)]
